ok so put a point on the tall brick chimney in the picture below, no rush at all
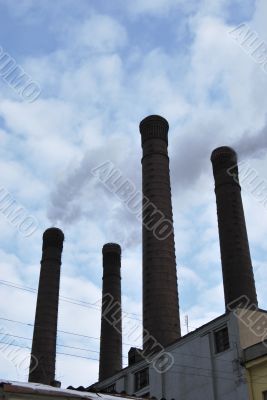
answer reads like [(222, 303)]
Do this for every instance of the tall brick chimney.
[(45, 326), (111, 326), (238, 278), (160, 295)]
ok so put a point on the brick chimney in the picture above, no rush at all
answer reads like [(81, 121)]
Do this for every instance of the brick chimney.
[(160, 295), (111, 326), (238, 278), (45, 326)]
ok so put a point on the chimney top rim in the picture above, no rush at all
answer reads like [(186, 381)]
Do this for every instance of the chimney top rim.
[(222, 151), (111, 248), (53, 233), (153, 119)]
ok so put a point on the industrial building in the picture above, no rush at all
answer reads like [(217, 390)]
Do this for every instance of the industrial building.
[(223, 359), (216, 361), (212, 362)]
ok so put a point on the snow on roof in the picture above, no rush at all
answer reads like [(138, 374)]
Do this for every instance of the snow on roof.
[(46, 390)]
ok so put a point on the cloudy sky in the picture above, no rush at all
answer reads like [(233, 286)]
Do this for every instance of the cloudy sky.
[(102, 66)]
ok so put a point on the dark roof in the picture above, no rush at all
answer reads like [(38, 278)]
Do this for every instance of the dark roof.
[(181, 339), (256, 351), (171, 344)]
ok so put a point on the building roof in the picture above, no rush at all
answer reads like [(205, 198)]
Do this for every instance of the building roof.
[(177, 342), (256, 351), (46, 390), (167, 348)]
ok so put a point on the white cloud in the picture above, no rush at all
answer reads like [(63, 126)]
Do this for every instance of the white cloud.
[(158, 7), (97, 85), (100, 33)]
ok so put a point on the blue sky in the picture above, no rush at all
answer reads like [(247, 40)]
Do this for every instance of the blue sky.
[(102, 67)]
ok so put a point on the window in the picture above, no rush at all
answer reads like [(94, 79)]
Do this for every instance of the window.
[(221, 339), (141, 379), (110, 389)]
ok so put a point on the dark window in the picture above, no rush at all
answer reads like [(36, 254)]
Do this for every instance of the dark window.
[(110, 389), (221, 339), (264, 395), (141, 379)]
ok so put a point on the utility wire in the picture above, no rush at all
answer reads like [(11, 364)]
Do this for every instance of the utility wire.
[(87, 305), (67, 354), (97, 338), (86, 349), (61, 331), (63, 298), (216, 376), (58, 344), (170, 371)]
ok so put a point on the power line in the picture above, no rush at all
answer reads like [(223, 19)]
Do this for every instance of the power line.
[(61, 331), (72, 355), (170, 371), (97, 338), (67, 354), (58, 344), (71, 333), (86, 349), (63, 298), (91, 305), (208, 375)]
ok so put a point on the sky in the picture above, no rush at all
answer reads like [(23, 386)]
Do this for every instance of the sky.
[(102, 66)]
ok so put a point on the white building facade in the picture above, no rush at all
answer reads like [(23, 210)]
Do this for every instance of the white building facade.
[(208, 363)]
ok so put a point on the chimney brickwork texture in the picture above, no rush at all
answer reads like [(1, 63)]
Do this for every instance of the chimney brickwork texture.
[(45, 326), (160, 293), (111, 324), (238, 278)]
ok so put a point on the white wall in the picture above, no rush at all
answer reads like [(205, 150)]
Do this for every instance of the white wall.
[(198, 372)]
